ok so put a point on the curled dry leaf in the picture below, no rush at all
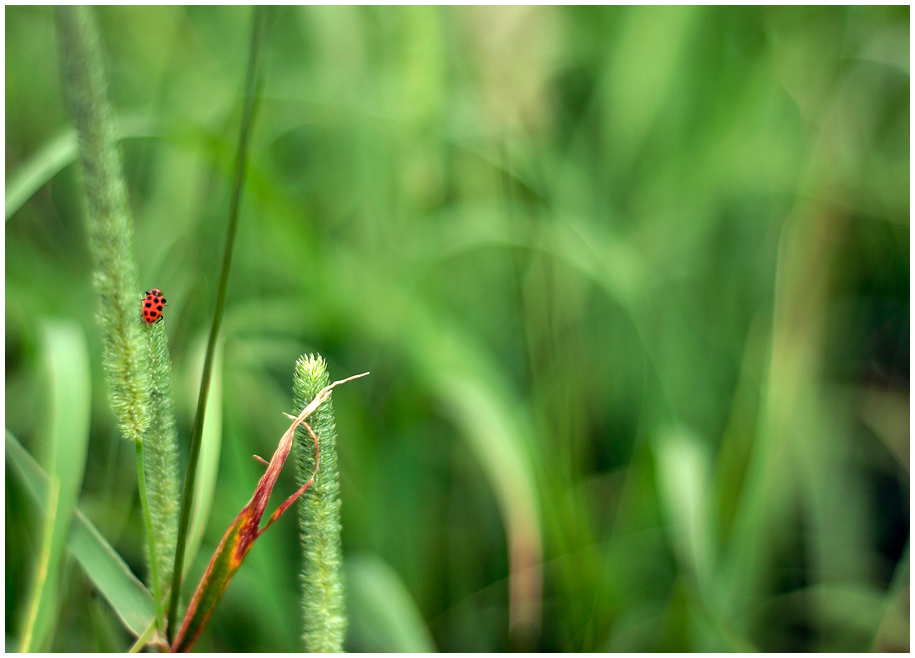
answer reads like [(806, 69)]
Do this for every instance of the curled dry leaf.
[(245, 529)]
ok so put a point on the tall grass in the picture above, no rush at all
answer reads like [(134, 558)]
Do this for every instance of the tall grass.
[(134, 398), (252, 83), (656, 400)]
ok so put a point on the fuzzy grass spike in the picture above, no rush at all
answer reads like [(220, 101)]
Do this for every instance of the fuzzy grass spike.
[(319, 518)]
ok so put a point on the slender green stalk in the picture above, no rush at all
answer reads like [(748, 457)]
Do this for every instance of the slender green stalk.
[(110, 229), (252, 85), (322, 575), (141, 642), (150, 533), (28, 641)]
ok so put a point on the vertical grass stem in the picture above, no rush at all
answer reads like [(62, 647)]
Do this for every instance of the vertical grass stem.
[(252, 84)]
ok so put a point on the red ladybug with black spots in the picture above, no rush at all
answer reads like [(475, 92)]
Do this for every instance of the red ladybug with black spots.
[(152, 306)]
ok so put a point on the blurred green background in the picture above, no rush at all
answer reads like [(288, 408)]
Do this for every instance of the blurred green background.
[(632, 284)]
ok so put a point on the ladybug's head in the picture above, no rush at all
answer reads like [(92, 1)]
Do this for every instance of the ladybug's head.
[(155, 292)]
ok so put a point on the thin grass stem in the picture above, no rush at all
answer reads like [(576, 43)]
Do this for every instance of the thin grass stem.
[(150, 534), (252, 85)]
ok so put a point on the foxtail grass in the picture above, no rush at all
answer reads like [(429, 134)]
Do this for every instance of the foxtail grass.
[(319, 515), (161, 453), (139, 398)]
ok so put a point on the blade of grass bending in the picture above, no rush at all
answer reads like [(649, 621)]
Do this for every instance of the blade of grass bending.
[(252, 84), (66, 361), (44, 587), (54, 156), (210, 448), (130, 600), (383, 613), (245, 529)]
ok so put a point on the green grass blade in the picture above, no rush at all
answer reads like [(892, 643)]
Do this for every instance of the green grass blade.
[(495, 435), (43, 596), (54, 156), (64, 455), (108, 572), (683, 466), (479, 402), (41, 168), (383, 614), (210, 448)]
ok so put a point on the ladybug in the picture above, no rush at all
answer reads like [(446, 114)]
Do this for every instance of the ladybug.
[(152, 306)]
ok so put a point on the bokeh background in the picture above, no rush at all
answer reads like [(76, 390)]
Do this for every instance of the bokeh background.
[(632, 284)]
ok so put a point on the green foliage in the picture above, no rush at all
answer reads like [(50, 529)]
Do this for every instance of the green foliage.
[(319, 514), (239, 538), (125, 357), (385, 616), (252, 85), (63, 454), (632, 282), (210, 445), (129, 599)]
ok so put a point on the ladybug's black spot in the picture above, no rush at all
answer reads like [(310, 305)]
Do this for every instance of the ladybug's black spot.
[(164, 300), (159, 307), (148, 304)]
